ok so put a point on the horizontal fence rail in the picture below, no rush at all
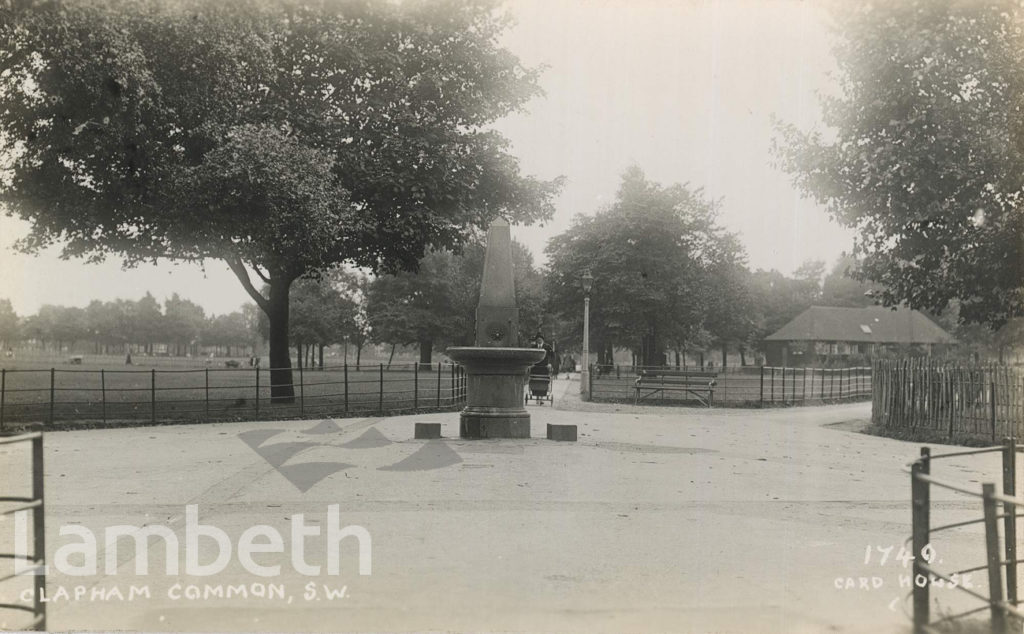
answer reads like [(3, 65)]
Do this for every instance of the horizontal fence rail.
[(11, 504), (996, 507), (84, 396), (735, 386), (953, 402)]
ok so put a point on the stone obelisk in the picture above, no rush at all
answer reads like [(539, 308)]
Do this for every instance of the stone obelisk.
[(496, 368)]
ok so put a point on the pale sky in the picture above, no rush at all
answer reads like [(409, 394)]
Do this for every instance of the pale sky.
[(683, 89)]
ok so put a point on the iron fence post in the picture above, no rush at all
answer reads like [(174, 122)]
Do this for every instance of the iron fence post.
[(152, 393), (207, 394), (3, 395), (760, 396), (380, 393), (39, 533), (103, 394), (302, 392), (258, 391), (1010, 517), (53, 373), (416, 386), (920, 520), (346, 387), (439, 384), (995, 570), (773, 384)]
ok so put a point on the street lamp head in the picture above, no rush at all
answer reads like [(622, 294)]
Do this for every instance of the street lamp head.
[(588, 281)]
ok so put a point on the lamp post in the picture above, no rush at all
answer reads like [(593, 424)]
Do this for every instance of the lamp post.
[(588, 283)]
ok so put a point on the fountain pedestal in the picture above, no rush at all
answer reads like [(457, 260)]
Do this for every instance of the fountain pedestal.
[(495, 384)]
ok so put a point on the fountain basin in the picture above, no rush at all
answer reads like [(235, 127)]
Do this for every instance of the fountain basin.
[(495, 383)]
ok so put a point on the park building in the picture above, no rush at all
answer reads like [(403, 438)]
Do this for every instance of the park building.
[(831, 336)]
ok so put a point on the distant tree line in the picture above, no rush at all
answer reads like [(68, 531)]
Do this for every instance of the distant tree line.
[(178, 328)]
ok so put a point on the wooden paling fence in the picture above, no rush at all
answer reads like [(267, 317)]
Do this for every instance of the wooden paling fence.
[(956, 401)]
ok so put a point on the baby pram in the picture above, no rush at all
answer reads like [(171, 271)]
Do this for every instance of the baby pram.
[(540, 384)]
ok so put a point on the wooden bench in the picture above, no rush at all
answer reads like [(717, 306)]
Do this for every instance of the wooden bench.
[(695, 382)]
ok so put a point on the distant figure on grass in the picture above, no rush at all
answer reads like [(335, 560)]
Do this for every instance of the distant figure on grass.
[(128, 358)]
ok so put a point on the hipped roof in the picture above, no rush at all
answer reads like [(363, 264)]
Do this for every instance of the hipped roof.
[(875, 324)]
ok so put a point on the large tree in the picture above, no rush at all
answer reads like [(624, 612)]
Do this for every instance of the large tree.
[(654, 254), (919, 156), (282, 137)]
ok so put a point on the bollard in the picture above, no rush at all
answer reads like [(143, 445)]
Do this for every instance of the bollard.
[(562, 432), (427, 431)]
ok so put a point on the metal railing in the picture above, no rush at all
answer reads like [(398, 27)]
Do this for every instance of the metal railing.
[(1002, 598), (743, 386), (151, 395), (37, 562)]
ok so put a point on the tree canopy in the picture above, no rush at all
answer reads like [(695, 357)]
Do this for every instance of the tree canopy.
[(282, 137), (662, 267), (436, 306), (920, 154)]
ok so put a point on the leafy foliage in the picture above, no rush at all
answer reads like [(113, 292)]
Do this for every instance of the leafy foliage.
[(662, 268), (282, 137), (920, 157), (436, 306)]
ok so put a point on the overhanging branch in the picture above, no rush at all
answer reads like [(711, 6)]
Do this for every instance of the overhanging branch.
[(243, 276), (259, 273)]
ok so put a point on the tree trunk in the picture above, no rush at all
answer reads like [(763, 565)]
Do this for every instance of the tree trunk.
[(725, 353), (321, 357), (392, 355), (426, 349), (743, 357), (359, 354), (281, 388)]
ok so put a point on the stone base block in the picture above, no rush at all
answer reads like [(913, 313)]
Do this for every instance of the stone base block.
[(480, 426), (428, 431), (562, 432)]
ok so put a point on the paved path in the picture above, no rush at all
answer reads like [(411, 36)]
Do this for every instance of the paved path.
[(665, 519)]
